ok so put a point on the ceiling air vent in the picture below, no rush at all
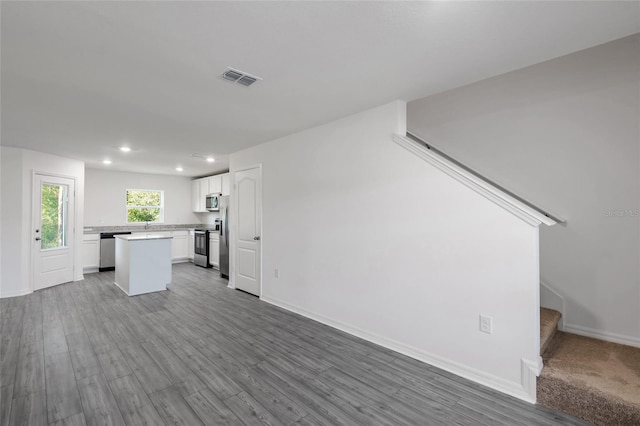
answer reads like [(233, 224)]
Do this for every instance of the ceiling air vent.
[(239, 77), (245, 80)]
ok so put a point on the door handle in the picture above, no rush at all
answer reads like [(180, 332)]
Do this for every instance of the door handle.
[(256, 238), (38, 238)]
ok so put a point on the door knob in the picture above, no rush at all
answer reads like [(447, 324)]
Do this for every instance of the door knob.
[(38, 238), (256, 238)]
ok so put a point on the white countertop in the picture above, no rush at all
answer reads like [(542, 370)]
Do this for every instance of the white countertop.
[(137, 237)]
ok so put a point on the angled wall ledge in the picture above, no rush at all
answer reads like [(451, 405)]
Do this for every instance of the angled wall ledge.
[(528, 214)]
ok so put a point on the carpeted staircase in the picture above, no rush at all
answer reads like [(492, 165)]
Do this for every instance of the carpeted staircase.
[(549, 320), (594, 380)]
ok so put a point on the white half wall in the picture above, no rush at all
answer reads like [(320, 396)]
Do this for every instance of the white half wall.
[(564, 134), (371, 239), (106, 197), (18, 167)]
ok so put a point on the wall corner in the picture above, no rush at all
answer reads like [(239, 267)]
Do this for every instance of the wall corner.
[(401, 127)]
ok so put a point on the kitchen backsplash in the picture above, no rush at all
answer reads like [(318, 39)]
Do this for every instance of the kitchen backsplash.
[(209, 218), (142, 227)]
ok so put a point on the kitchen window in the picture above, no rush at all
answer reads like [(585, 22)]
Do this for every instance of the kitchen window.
[(144, 205)]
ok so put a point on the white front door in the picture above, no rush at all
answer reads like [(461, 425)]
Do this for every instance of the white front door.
[(248, 211), (53, 236)]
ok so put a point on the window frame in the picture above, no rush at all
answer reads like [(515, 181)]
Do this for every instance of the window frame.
[(128, 207)]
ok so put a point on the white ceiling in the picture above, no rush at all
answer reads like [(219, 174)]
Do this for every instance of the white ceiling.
[(81, 78)]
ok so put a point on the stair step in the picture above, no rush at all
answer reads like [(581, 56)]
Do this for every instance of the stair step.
[(594, 380), (549, 319)]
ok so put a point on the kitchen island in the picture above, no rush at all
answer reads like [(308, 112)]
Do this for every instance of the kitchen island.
[(143, 263)]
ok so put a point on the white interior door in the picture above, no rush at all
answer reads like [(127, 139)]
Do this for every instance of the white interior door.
[(248, 211), (53, 236)]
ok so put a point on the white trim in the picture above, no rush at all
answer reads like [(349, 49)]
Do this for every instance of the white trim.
[(490, 192), (529, 371), (481, 377), (602, 335)]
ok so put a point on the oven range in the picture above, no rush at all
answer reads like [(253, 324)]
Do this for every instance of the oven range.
[(201, 247)]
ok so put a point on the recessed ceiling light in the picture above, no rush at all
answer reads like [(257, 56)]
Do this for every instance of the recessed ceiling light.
[(125, 149), (106, 162), (210, 159), (179, 169)]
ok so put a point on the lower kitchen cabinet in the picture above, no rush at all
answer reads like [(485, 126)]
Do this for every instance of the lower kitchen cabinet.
[(90, 253), (179, 243), (191, 244), (214, 250), (180, 246)]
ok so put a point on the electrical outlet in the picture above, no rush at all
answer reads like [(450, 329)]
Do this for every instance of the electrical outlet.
[(276, 273), (486, 324)]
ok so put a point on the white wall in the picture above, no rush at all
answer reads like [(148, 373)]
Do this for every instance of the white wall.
[(11, 273), (370, 239), (565, 134), (18, 167), (106, 197)]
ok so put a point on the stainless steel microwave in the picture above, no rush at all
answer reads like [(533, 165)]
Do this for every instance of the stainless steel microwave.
[(213, 202)]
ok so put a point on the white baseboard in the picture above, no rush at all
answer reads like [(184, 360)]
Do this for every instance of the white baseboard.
[(602, 335), (15, 293), (521, 391), (91, 270), (123, 290)]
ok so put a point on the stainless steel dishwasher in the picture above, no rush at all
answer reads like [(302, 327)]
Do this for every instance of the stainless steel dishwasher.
[(108, 250)]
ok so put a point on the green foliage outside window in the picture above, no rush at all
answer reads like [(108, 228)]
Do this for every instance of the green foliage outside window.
[(144, 206), (52, 216)]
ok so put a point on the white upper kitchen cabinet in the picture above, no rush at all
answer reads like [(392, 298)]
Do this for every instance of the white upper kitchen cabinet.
[(215, 184), (200, 188), (226, 184), (204, 190), (197, 202)]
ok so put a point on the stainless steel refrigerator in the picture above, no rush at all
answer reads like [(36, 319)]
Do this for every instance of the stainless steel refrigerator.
[(224, 236)]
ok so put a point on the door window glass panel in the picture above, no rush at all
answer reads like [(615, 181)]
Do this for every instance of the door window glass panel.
[(54, 202)]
